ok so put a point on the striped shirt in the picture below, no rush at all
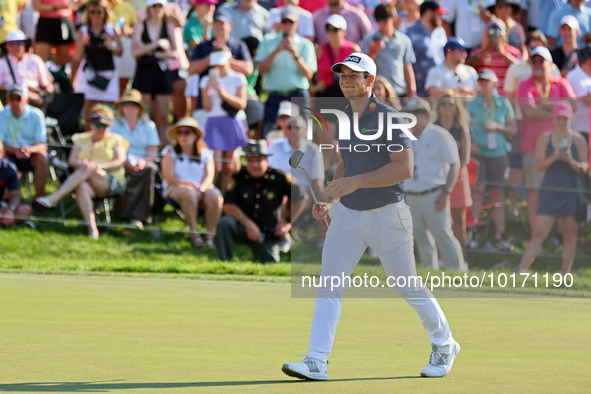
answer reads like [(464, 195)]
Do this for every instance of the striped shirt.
[(498, 64)]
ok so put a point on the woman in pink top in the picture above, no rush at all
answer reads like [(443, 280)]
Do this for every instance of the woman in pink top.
[(55, 28)]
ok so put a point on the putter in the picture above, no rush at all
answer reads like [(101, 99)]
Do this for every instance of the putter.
[(294, 160)]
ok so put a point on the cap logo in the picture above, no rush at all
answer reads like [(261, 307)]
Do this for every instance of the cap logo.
[(354, 59)]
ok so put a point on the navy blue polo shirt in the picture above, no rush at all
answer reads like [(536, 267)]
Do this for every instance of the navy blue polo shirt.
[(8, 177), (238, 49), (376, 157)]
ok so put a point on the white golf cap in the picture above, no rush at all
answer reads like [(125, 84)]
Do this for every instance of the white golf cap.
[(219, 58), (571, 21), (337, 21), (357, 62), (16, 35), (150, 3), (543, 52), (287, 108)]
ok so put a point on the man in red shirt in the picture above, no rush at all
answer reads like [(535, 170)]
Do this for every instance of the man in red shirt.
[(497, 55), (537, 97)]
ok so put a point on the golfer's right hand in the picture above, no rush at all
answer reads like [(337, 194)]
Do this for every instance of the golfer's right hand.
[(253, 232), (321, 212)]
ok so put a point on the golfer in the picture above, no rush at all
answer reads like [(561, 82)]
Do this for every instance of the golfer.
[(367, 208)]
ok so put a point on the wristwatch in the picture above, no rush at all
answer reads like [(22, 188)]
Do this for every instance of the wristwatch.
[(447, 191)]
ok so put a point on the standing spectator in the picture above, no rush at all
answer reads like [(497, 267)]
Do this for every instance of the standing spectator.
[(452, 116), (256, 194), (97, 43), (334, 51), (9, 14), (411, 14), (437, 165), (562, 154), (55, 29), (428, 39), (136, 204), (565, 56), (507, 11), (493, 123), (469, 18), (248, 17), (287, 63), (358, 25), (305, 24), (188, 170), (452, 74), (497, 55), (154, 42), (392, 52), (19, 66), (583, 15), (536, 97), (98, 156), (537, 13), (580, 80), (224, 98), (22, 130), (199, 23), (12, 211), (125, 20)]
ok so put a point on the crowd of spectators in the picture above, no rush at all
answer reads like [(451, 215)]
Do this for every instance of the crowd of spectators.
[(176, 92)]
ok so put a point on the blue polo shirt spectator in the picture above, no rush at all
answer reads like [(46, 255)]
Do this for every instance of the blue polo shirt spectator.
[(248, 22), (583, 15), (26, 130), (8, 177), (539, 11), (145, 134), (466, 15)]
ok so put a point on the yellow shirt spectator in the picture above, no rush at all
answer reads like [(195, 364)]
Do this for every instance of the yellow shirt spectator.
[(102, 151)]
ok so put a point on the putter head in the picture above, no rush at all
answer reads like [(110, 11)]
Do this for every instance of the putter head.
[(295, 158)]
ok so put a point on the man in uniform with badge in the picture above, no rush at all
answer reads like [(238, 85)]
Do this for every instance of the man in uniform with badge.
[(253, 207)]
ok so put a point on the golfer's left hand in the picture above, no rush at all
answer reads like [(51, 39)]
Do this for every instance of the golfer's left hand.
[(341, 187)]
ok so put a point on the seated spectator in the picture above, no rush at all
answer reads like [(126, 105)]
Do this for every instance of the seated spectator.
[(386, 94), (250, 19), (392, 52), (12, 211), (19, 66), (580, 80), (188, 171), (507, 11), (286, 111), (98, 156), (565, 55), (358, 24), (255, 195), (428, 40), (493, 123), (562, 153), (287, 62), (305, 26), (497, 55), (97, 43), (452, 116), (199, 23), (335, 50), (453, 73), (136, 204), (23, 132), (223, 93)]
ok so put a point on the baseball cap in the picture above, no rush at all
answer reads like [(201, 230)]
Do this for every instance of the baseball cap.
[(290, 12), (416, 104), (150, 3), (543, 52), (434, 6), (563, 108), (497, 23), (102, 118), (222, 16), (219, 58), (455, 43), (19, 89), (337, 21), (357, 62), (256, 148), (287, 108), (488, 75), (16, 35), (571, 21)]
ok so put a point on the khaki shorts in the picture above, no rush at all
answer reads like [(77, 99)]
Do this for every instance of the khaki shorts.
[(533, 177)]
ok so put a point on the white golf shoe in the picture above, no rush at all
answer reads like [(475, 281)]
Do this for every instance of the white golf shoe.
[(308, 368), (441, 361)]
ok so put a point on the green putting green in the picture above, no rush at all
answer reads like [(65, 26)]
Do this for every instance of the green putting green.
[(101, 334)]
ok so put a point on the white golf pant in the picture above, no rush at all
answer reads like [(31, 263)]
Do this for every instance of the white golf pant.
[(388, 231)]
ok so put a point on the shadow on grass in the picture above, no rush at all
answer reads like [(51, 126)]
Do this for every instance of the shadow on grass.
[(119, 385)]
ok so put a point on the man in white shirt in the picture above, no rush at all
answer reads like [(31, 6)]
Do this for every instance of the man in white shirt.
[(580, 80), (436, 170), (305, 24), (453, 73)]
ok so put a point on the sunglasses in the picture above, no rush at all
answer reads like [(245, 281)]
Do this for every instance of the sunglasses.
[(330, 29), (157, 5), (448, 103), (100, 126), (184, 132), (381, 20), (15, 43), (537, 60), (286, 21), (130, 104), (15, 98), (96, 12)]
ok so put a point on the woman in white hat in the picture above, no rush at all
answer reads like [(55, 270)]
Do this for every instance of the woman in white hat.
[(224, 98), (188, 172)]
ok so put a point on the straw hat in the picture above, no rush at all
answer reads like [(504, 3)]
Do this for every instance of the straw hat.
[(131, 96), (187, 121)]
